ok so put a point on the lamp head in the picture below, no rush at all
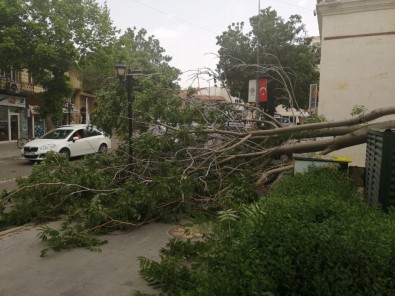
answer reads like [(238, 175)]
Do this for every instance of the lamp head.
[(136, 73), (121, 70)]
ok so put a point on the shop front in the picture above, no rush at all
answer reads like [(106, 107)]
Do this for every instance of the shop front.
[(13, 119), (36, 123)]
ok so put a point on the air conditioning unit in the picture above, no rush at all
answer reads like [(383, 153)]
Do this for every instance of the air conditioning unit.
[(15, 87), (380, 168)]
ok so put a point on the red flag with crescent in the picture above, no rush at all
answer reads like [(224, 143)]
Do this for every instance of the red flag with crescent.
[(262, 86)]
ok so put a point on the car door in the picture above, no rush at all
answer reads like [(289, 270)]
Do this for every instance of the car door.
[(93, 138), (78, 146)]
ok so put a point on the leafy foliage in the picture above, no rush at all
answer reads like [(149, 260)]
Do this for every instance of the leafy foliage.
[(68, 237), (101, 193), (137, 50), (313, 235), (358, 109), (49, 39), (11, 36), (315, 119), (153, 94)]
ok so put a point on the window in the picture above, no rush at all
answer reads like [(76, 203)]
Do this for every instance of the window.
[(14, 75), (93, 132), (57, 134), (30, 79)]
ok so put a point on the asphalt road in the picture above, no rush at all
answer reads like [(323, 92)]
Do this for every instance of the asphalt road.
[(12, 165), (114, 271), (10, 170)]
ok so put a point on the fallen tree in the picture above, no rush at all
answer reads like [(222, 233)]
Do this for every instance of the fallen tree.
[(260, 146), (188, 161), (182, 172)]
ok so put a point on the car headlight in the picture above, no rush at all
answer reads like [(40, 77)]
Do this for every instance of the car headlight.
[(47, 147)]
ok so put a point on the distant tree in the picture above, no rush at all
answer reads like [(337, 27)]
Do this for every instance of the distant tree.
[(282, 49), (154, 91), (11, 34), (50, 38)]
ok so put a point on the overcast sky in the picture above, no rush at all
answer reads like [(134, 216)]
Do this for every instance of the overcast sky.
[(187, 29)]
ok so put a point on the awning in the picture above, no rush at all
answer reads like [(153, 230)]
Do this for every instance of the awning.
[(34, 109), (13, 101)]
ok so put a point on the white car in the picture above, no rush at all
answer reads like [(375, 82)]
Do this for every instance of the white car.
[(68, 140)]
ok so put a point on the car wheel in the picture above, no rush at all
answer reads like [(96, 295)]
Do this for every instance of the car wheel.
[(103, 148), (65, 153)]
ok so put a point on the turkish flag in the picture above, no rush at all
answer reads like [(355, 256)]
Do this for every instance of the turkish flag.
[(262, 87)]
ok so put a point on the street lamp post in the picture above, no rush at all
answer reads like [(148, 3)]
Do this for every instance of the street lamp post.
[(123, 71), (129, 86)]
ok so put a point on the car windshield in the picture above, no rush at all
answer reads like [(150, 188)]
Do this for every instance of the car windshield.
[(57, 134)]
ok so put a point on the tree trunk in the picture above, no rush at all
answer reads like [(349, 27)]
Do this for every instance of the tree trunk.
[(49, 122)]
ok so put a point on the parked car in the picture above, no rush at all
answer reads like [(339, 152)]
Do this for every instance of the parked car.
[(240, 125), (68, 140)]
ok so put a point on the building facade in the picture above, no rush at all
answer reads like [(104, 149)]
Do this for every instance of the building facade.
[(80, 105), (357, 59), (16, 89), (19, 106)]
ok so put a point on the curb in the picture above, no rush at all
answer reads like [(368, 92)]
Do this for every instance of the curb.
[(14, 229)]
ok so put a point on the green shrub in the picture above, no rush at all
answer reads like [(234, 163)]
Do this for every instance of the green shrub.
[(313, 236)]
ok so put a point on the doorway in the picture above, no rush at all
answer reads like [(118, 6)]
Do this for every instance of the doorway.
[(14, 126)]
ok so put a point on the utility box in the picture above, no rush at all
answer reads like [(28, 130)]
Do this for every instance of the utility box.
[(380, 168), (303, 162)]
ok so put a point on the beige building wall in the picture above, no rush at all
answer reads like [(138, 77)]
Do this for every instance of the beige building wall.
[(357, 59)]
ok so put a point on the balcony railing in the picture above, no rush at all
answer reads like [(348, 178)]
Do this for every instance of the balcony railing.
[(15, 87)]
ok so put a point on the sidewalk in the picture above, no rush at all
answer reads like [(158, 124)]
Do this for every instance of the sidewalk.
[(9, 150), (78, 272)]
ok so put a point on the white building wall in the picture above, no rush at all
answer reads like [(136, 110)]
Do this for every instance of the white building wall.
[(357, 60), (217, 91)]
